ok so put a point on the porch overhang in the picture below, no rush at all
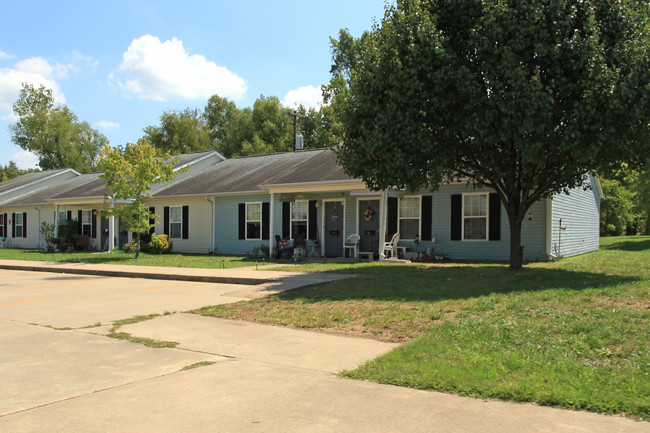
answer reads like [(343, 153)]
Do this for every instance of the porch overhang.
[(313, 187)]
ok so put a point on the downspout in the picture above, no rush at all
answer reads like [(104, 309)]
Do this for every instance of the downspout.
[(213, 219), (111, 229), (56, 221), (271, 234), (38, 245), (549, 229)]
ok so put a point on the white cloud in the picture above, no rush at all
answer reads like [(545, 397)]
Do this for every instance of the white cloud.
[(156, 70), (105, 124), (4, 55), (308, 96), (25, 159), (35, 71)]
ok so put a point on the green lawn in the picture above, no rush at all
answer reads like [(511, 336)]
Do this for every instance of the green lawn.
[(120, 258), (574, 333)]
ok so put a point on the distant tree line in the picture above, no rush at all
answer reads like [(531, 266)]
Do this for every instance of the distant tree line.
[(625, 209), (222, 126)]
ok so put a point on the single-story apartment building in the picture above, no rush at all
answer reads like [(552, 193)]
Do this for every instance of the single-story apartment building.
[(231, 206)]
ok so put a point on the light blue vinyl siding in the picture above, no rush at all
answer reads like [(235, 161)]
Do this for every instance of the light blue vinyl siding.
[(580, 212), (533, 230)]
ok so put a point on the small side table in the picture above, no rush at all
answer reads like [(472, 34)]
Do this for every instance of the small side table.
[(314, 248)]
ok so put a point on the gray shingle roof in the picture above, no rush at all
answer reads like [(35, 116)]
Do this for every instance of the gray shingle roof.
[(45, 194), (246, 174), (86, 186), (28, 178)]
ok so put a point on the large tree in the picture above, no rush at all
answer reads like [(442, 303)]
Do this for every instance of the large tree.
[(180, 132), (54, 133), (522, 96), (130, 171)]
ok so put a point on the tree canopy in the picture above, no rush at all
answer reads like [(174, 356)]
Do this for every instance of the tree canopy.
[(11, 170), (129, 172), (54, 133), (261, 129), (521, 96)]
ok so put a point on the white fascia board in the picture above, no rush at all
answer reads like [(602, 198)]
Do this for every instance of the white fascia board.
[(314, 186)]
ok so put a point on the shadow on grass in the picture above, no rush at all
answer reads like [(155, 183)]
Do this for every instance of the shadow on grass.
[(450, 283), (630, 244)]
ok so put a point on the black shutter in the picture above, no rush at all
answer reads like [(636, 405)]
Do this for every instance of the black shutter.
[(266, 226), (242, 220), (166, 220), (495, 217), (312, 222), (5, 232), (186, 222), (456, 216), (152, 220), (24, 224), (69, 215), (93, 227), (426, 217), (13, 225), (392, 216), (78, 222), (286, 219)]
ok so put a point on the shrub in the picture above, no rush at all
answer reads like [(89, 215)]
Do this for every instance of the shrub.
[(160, 244), (130, 247)]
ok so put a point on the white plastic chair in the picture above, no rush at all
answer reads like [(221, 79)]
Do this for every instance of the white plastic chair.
[(392, 246), (352, 243)]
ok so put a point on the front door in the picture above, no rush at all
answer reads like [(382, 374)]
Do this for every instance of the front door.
[(104, 234), (369, 225), (334, 229)]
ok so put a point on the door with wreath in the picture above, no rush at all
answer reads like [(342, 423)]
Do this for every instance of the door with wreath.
[(369, 225)]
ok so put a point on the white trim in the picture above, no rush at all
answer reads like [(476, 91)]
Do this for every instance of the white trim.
[(291, 220), (177, 222), (246, 220), (549, 227), (487, 216), (323, 222), (81, 223), (201, 158), (419, 218)]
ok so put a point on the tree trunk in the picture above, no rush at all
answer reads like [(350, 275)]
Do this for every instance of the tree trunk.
[(137, 245), (516, 250)]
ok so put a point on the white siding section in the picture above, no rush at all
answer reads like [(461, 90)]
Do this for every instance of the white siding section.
[(34, 219), (580, 212), (200, 221)]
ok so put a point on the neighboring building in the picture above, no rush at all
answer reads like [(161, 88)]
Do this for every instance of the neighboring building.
[(232, 206)]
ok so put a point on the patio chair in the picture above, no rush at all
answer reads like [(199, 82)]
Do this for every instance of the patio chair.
[(391, 246), (81, 244), (352, 244)]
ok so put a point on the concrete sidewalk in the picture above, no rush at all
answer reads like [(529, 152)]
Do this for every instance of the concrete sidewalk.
[(268, 281)]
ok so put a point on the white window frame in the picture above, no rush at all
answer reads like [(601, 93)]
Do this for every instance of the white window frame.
[(172, 222), (305, 220), (86, 213), (400, 217), (19, 225), (486, 217), (62, 216), (252, 221)]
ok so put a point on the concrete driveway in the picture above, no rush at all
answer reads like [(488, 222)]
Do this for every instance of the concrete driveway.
[(259, 378)]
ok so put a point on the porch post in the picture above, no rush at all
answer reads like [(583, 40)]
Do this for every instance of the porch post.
[(383, 217), (111, 230), (271, 234)]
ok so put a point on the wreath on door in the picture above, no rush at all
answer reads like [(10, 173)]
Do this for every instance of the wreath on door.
[(368, 214)]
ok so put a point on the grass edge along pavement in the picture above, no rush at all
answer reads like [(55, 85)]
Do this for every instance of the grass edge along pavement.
[(156, 344), (573, 333)]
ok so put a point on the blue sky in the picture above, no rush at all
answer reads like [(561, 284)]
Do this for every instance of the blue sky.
[(119, 64)]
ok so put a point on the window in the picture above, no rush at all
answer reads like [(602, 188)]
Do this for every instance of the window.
[(409, 217), (299, 218), (475, 216), (62, 216), (175, 222), (253, 220), (18, 225), (86, 222)]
